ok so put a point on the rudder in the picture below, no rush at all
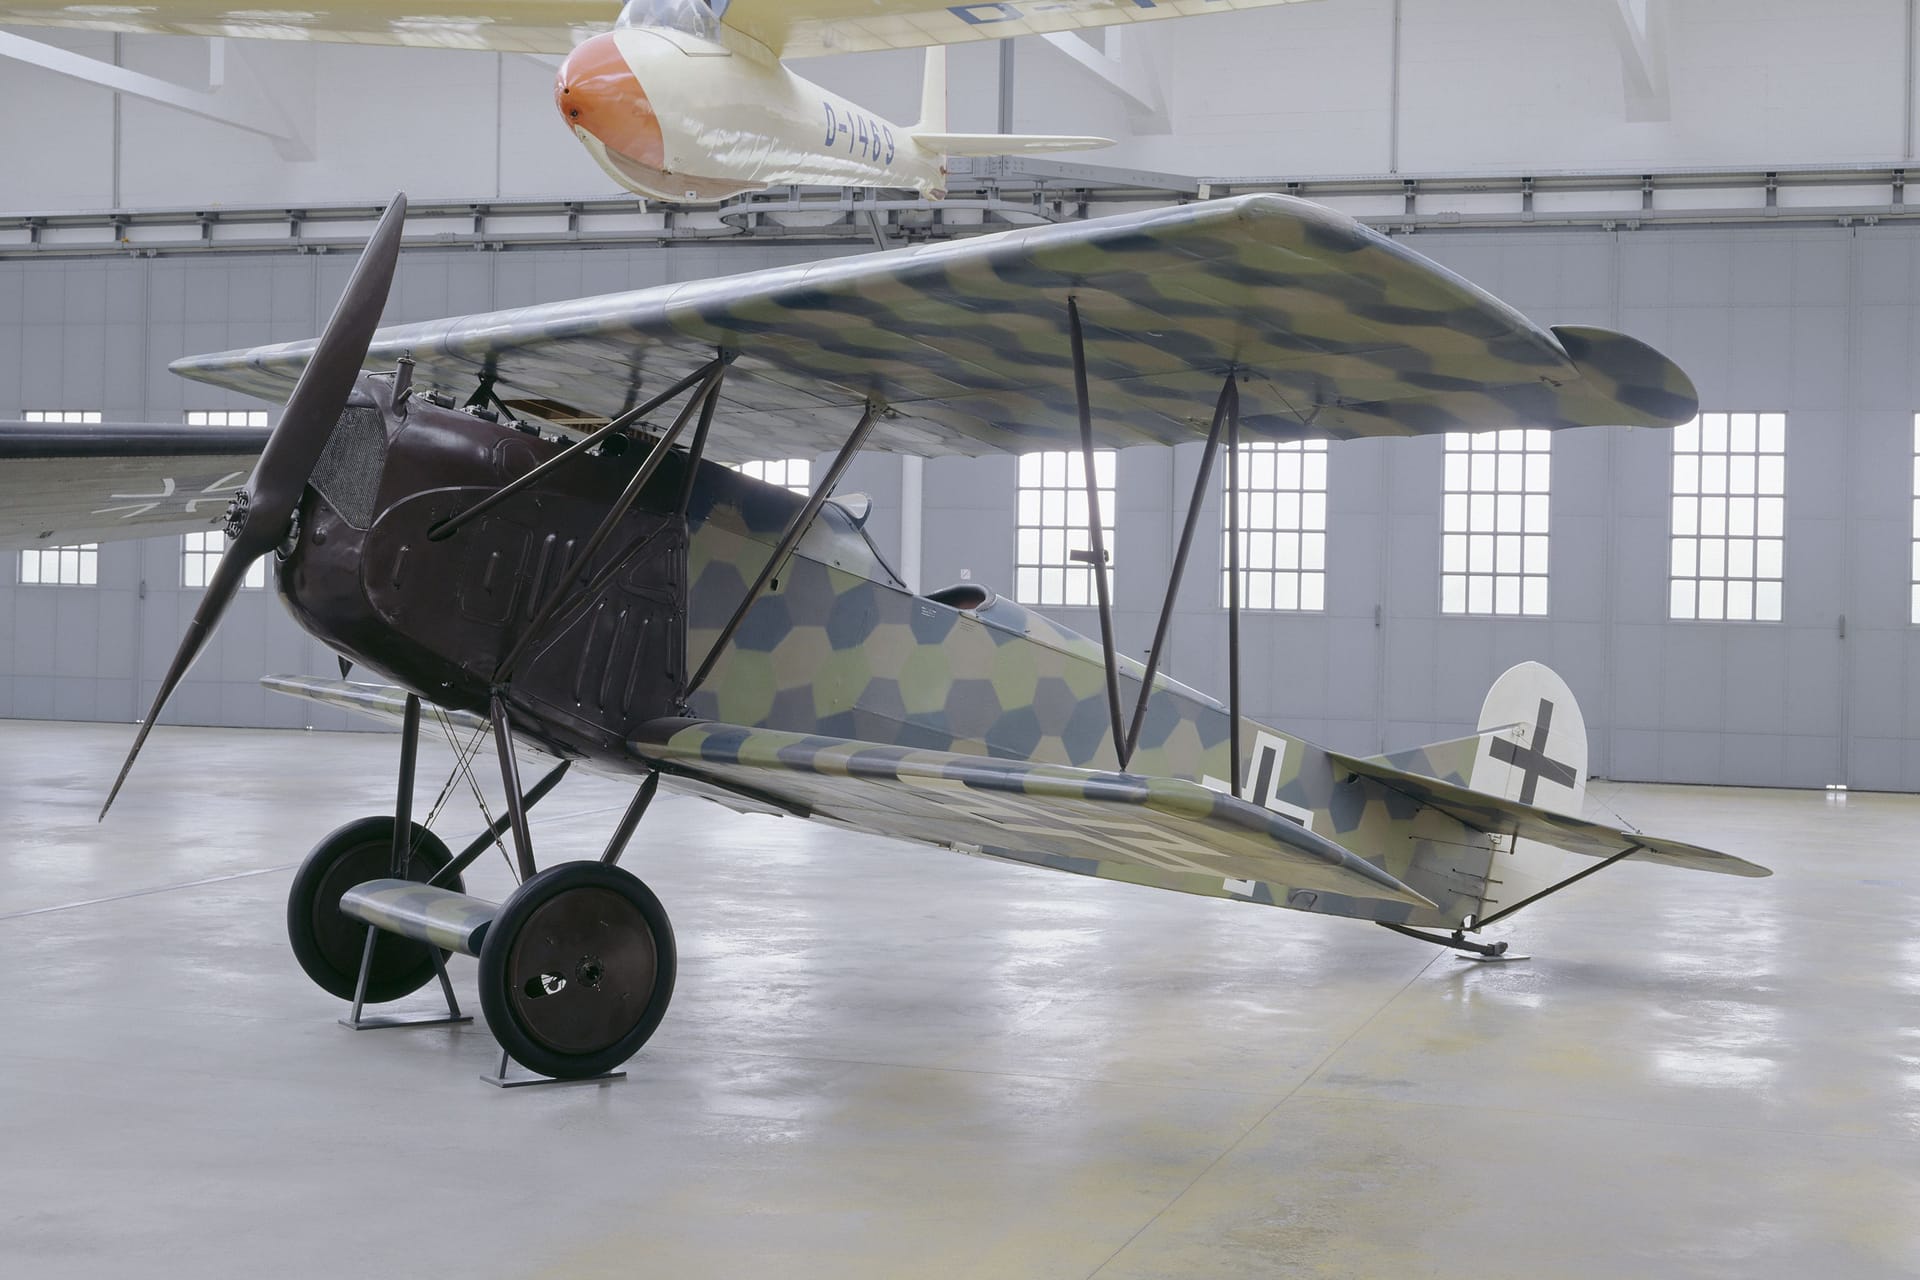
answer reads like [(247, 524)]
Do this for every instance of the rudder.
[(1533, 749), (1533, 741)]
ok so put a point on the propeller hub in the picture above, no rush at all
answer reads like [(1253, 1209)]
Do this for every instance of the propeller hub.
[(237, 514)]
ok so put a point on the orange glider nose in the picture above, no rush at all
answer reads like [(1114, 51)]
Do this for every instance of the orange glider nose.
[(597, 92)]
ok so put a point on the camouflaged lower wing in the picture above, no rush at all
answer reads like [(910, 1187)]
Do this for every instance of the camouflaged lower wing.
[(1498, 816), (381, 701), (1083, 820), (1333, 329)]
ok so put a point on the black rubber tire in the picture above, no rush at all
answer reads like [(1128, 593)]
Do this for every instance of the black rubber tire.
[(327, 944), (603, 943)]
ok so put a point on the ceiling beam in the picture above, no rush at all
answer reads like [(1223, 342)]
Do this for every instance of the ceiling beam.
[(1640, 29), (1134, 84), (238, 99)]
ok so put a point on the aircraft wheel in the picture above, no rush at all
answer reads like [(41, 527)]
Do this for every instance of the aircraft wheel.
[(576, 970), (327, 944)]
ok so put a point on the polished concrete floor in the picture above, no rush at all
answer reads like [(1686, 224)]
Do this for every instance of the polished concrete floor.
[(884, 1061)]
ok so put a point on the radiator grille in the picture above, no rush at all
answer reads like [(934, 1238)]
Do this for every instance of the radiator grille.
[(348, 474)]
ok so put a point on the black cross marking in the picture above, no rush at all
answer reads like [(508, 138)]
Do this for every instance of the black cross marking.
[(1533, 761)]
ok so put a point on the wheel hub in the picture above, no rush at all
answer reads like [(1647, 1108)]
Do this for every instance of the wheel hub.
[(582, 970)]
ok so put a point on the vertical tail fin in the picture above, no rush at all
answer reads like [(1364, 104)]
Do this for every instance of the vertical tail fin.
[(1533, 741), (933, 92), (1531, 748)]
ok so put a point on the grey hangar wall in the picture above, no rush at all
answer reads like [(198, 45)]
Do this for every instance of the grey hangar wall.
[(1818, 322)]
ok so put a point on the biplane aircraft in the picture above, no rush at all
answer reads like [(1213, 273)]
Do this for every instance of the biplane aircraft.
[(626, 602)]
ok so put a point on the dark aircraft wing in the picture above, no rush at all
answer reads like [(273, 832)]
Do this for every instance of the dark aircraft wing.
[(1334, 330), (66, 483), (1499, 816), (1161, 831)]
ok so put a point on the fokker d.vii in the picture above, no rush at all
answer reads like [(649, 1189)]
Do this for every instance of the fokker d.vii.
[(627, 602)]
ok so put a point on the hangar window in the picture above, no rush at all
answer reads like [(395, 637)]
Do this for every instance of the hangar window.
[(200, 552), (75, 566), (1916, 518), (72, 566), (1283, 526), (1729, 517), (789, 473), (1493, 522), (1052, 554), (226, 418)]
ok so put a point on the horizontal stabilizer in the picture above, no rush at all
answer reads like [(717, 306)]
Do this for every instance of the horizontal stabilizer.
[(1497, 816), (1006, 144)]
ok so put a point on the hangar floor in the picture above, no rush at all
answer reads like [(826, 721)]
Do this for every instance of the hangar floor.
[(884, 1061)]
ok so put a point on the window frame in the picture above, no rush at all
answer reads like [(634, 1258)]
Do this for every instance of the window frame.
[(200, 561), (85, 563), (762, 468), (1496, 496), (1263, 544), (1050, 498), (1692, 542)]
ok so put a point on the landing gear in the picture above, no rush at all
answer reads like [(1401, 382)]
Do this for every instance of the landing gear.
[(329, 944), (576, 970), (576, 966)]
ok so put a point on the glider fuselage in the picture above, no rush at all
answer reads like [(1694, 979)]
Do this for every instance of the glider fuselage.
[(678, 115)]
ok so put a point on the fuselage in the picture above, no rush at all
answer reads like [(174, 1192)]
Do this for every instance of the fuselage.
[(703, 114), (836, 646)]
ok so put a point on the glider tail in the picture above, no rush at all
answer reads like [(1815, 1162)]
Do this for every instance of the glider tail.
[(933, 92), (931, 132)]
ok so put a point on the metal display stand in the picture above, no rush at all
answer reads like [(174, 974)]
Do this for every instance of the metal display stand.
[(356, 1021), (501, 1080)]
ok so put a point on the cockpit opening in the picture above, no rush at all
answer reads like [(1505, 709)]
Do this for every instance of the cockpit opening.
[(691, 17)]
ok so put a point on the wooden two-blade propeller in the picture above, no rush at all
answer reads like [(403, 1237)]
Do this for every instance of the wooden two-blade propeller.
[(262, 515)]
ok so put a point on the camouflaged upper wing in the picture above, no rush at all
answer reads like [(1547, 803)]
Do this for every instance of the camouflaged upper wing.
[(1334, 329), (1071, 819), (1498, 816)]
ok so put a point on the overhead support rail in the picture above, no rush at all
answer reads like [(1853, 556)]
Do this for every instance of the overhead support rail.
[(992, 195)]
